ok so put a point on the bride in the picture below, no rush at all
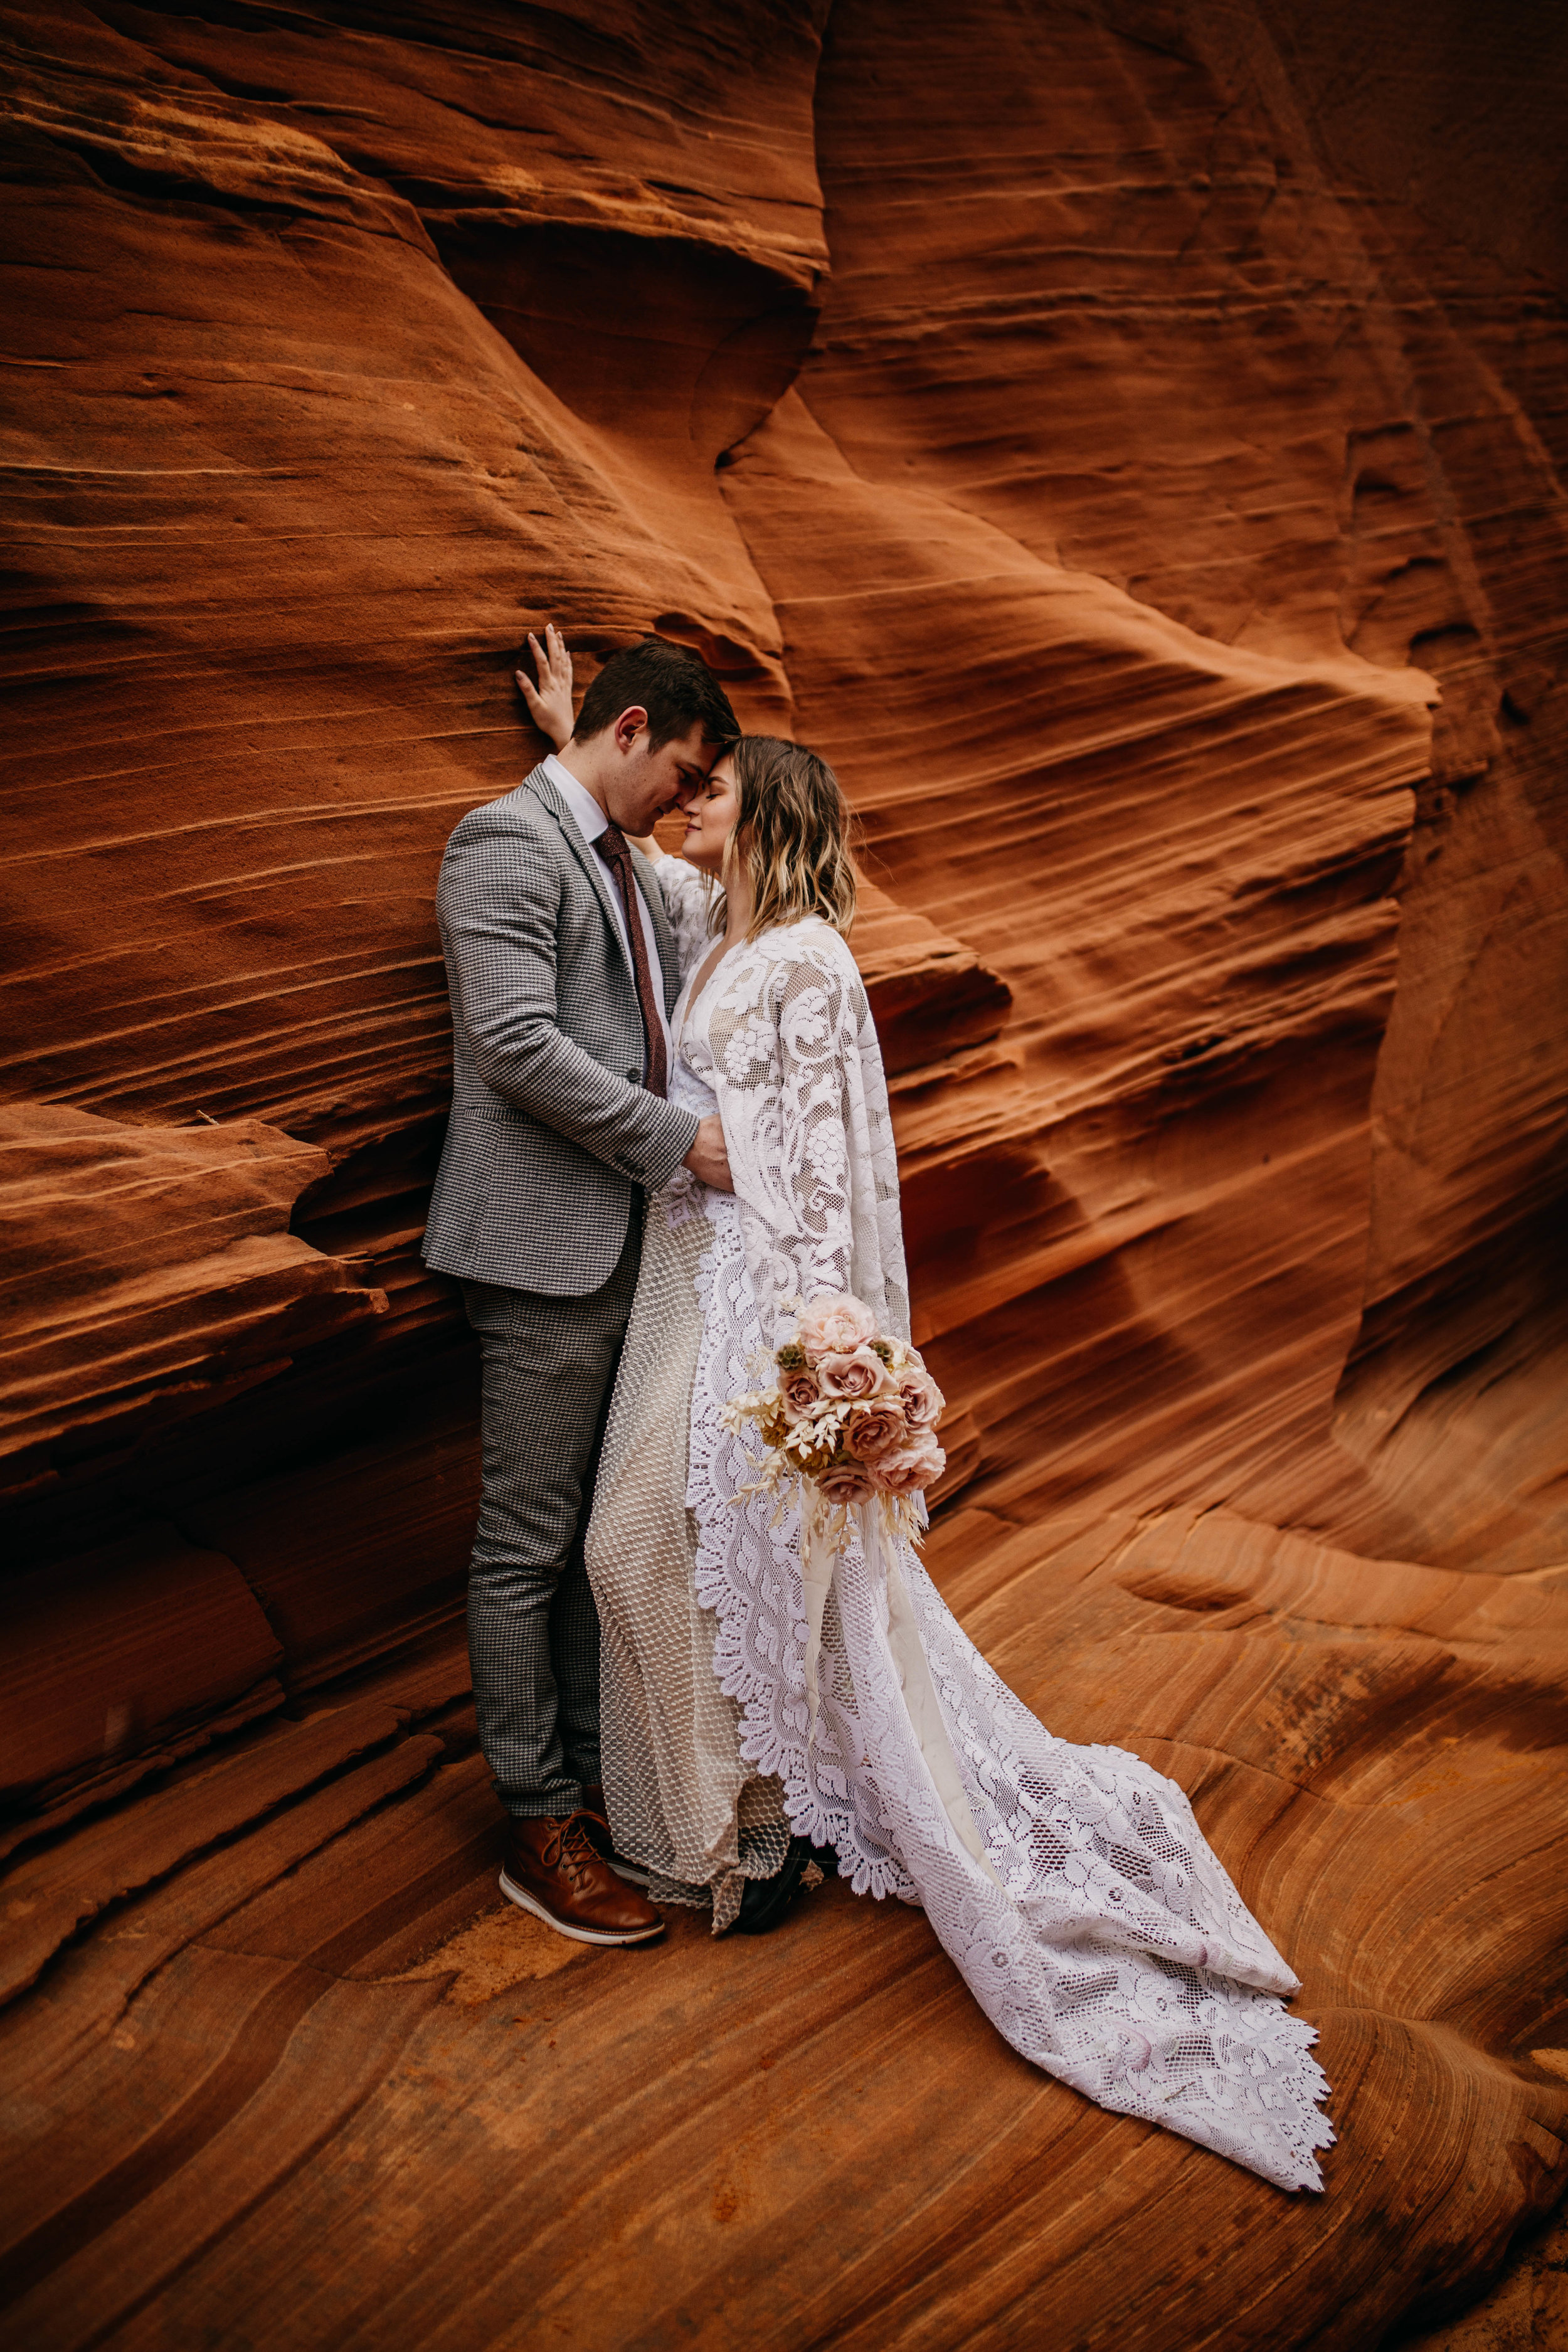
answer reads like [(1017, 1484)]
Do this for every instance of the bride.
[(1072, 1886)]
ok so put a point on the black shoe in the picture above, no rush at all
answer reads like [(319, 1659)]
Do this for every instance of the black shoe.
[(764, 1901)]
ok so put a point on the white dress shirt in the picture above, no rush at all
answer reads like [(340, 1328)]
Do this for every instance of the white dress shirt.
[(591, 820)]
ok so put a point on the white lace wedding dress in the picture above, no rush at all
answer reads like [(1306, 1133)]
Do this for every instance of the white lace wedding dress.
[(1072, 1886)]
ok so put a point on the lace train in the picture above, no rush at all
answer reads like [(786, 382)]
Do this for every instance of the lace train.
[(1114, 1952)]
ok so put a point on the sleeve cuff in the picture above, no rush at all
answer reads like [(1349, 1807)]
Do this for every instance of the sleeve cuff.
[(678, 1132)]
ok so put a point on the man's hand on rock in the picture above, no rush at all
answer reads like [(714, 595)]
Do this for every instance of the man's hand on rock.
[(708, 1158)]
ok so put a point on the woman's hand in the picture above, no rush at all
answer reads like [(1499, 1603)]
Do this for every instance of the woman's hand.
[(708, 1158), (549, 702)]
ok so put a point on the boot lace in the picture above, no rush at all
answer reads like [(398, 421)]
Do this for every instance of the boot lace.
[(571, 1849)]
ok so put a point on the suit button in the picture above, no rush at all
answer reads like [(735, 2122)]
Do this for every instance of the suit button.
[(636, 1077)]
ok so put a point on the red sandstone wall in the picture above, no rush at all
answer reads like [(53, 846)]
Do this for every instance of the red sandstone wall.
[(1116, 441)]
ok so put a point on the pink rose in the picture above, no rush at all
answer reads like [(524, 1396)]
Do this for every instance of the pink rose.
[(876, 1430), (845, 1484), (920, 1465), (835, 1325), (922, 1398), (859, 1373), (800, 1391)]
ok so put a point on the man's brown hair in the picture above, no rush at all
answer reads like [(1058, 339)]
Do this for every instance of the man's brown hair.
[(674, 686)]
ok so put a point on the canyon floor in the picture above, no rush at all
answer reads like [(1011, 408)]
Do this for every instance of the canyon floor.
[(294, 2073)]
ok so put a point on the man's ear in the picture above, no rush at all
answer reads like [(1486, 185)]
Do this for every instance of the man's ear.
[(629, 726)]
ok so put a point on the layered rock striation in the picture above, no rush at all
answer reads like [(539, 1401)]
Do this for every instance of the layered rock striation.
[(1135, 457)]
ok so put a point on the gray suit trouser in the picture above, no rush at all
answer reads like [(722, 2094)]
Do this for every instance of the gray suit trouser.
[(534, 1631)]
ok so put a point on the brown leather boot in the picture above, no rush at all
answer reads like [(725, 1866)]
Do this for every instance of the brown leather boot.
[(554, 1868), (604, 1837)]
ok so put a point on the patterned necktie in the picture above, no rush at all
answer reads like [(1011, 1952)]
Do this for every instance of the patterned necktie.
[(612, 847)]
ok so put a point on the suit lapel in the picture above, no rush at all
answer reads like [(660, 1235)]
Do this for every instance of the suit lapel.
[(587, 858), (592, 866)]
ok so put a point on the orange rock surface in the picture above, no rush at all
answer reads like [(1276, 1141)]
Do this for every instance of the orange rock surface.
[(1129, 442)]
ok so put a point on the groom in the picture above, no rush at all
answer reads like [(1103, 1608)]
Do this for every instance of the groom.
[(563, 974)]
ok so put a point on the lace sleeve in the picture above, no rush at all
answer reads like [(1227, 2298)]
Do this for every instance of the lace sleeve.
[(786, 1049), (689, 901)]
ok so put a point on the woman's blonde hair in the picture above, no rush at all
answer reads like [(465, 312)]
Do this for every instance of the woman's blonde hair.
[(793, 831)]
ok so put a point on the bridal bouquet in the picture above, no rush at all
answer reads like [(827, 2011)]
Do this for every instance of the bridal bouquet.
[(850, 1418), (851, 1415)]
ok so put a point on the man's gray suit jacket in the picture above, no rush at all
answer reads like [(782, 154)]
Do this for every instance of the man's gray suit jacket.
[(553, 1137)]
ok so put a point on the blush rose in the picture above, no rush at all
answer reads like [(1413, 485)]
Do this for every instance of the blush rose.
[(919, 1465), (859, 1373), (800, 1390), (835, 1325), (922, 1400), (876, 1430), (845, 1484)]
